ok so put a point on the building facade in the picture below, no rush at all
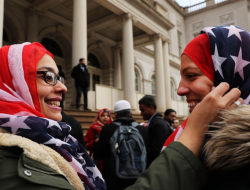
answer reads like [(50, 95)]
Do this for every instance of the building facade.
[(132, 47)]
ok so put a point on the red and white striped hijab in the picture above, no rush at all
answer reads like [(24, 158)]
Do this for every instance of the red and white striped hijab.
[(18, 88)]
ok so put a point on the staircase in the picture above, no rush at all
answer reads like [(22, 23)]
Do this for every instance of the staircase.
[(86, 118)]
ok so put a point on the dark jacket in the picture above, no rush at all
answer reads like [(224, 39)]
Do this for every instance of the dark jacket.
[(158, 134), (18, 171), (103, 152), (177, 168), (76, 128), (81, 78)]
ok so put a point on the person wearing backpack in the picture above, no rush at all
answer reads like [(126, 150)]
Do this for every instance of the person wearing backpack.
[(122, 146), (158, 129)]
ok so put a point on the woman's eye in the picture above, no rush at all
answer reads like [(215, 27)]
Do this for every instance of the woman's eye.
[(191, 76), (49, 78)]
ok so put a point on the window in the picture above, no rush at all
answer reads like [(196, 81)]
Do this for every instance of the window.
[(179, 43), (52, 46), (136, 81), (95, 80), (93, 61), (172, 90), (153, 84), (5, 36)]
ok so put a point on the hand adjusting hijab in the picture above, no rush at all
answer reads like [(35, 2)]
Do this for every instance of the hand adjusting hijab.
[(222, 53), (20, 111)]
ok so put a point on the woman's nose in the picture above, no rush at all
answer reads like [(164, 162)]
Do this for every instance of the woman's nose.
[(182, 89), (59, 87)]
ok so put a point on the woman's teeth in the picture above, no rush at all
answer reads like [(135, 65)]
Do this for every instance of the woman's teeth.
[(192, 104), (53, 103)]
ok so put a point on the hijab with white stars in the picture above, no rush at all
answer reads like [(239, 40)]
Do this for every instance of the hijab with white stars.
[(20, 111), (222, 53)]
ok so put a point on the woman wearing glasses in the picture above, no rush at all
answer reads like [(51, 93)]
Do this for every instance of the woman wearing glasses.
[(36, 150)]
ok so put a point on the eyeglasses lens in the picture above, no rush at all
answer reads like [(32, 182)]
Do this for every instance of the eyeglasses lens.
[(50, 78)]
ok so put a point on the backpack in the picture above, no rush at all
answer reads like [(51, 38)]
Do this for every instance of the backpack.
[(128, 151)]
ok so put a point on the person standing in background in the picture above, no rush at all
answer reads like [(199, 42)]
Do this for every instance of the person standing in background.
[(158, 129), (102, 118), (81, 75), (169, 117)]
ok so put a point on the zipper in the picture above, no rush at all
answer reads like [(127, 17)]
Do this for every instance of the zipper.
[(39, 170)]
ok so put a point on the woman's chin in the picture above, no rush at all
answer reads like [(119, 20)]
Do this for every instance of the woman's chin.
[(54, 116)]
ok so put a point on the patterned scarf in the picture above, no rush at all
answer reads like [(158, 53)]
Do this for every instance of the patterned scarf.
[(222, 53), (20, 111)]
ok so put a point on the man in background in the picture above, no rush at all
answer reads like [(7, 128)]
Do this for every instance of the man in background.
[(175, 125), (76, 128), (158, 129), (169, 117), (81, 75)]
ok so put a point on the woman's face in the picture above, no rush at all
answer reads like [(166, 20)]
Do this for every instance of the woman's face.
[(105, 118), (50, 96), (194, 84)]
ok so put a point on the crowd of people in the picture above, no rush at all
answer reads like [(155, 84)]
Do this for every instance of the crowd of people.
[(43, 148)]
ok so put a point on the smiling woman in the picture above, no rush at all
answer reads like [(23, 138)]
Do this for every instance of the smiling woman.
[(49, 89), (215, 75), (30, 93)]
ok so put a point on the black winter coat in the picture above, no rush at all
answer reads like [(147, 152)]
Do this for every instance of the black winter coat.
[(103, 152), (158, 131), (81, 78), (76, 128)]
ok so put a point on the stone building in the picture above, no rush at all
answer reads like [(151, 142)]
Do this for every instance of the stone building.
[(132, 47)]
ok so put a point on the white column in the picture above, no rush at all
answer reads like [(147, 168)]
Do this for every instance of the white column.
[(79, 38), (167, 75), (32, 30), (117, 67), (128, 61), (159, 74), (1, 21)]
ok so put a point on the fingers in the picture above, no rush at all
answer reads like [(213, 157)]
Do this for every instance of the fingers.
[(233, 106), (232, 96), (221, 89)]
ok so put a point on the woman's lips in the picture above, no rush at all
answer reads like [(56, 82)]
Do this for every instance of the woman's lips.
[(54, 107), (54, 103), (192, 104)]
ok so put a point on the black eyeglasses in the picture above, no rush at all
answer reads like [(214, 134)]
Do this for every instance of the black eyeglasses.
[(50, 77)]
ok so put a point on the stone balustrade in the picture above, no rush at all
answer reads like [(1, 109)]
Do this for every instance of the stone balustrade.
[(202, 5)]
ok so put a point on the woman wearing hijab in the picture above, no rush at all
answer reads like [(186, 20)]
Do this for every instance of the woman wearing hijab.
[(102, 118), (36, 150), (215, 76)]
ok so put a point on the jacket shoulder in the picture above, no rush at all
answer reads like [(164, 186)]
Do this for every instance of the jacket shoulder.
[(22, 171)]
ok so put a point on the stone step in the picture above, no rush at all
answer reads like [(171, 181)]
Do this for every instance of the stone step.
[(86, 118)]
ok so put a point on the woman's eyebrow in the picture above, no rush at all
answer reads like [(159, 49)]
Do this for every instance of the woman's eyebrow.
[(184, 70), (47, 68)]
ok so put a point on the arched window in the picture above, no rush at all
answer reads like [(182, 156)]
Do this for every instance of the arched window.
[(153, 84), (137, 81), (93, 61), (52, 46), (5, 36), (172, 90)]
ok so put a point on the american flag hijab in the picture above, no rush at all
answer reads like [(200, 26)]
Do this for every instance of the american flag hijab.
[(223, 54), (20, 111)]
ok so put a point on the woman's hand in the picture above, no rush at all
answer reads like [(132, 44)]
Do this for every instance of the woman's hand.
[(205, 112), (96, 140)]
